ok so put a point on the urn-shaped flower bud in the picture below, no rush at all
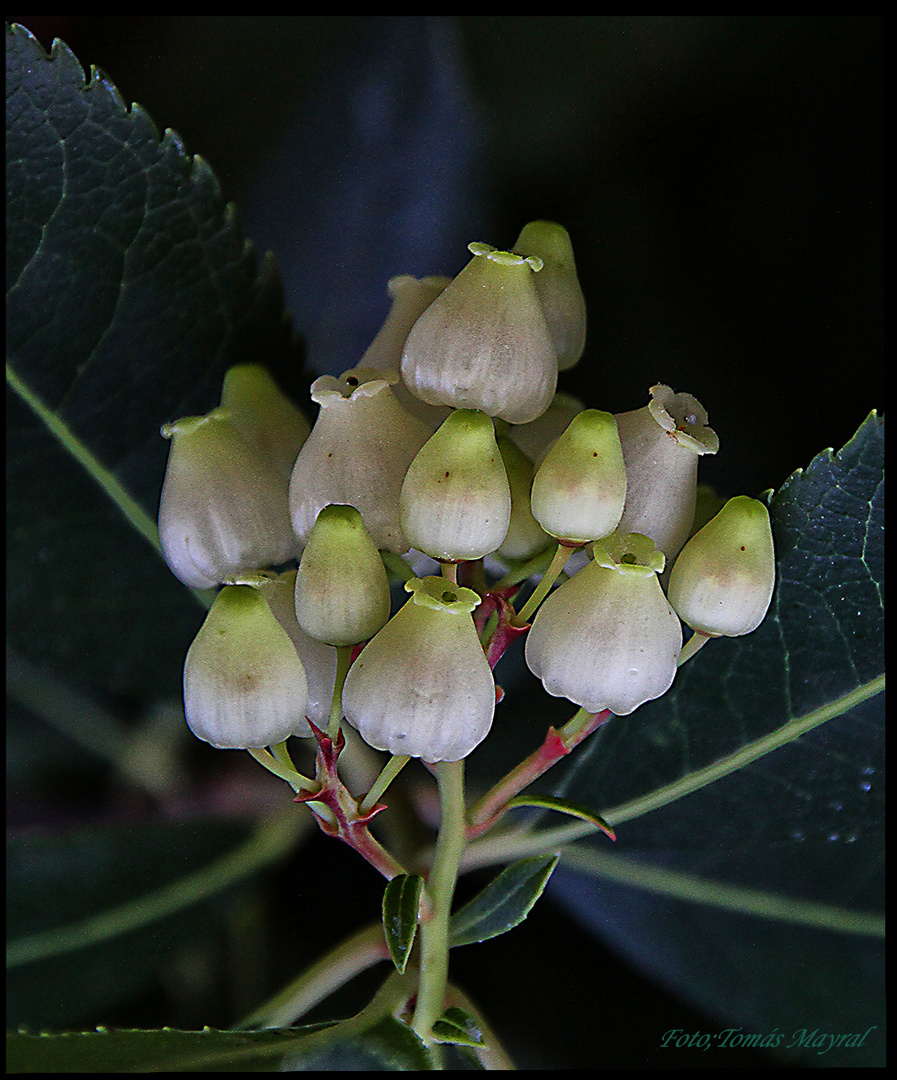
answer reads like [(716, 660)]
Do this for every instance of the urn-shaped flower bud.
[(722, 581), (484, 342), (422, 686), (608, 638), (455, 500), (661, 446), (525, 536), (244, 684), (410, 297), (580, 488), (264, 415), (558, 287), (224, 506), (342, 591), (357, 454), (318, 659)]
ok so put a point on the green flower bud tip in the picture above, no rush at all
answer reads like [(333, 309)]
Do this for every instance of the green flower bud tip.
[(422, 686), (484, 342), (455, 502), (224, 505), (525, 536), (264, 415), (558, 287), (244, 684), (723, 579), (342, 591), (579, 490), (608, 638)]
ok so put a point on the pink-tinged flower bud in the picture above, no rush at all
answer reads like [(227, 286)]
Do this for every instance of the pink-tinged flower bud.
[(244, 684), (536, 438), (224, 508), (455, 501), (607, 638), (264, 415), (357, 454), (558, 287), (422, 686), (661, 446), (484, 342), (525, 536), (722, 581), (580, 487), (342, 591)]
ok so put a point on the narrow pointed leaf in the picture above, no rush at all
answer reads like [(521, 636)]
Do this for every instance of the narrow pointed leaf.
[(564, 806), (458, 1027), (504, 903), (401, 901)]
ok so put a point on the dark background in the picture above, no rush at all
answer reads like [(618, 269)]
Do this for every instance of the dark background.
[(721, 180)]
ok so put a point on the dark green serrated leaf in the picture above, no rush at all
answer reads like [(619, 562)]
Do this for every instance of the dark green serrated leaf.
[(130, 289), (401, 900), (504, 903), (564, 806), (458, 1027)]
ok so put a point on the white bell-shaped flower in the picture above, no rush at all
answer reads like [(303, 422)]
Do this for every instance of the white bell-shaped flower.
[(224, 508), (608, 638), (558, 287), (484, 342), (422, 686), (357, 454), (662, 443)]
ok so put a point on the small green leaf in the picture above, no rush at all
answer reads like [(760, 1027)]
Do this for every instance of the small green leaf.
[(564, 806), (504, 903), (401, 901), (458, 1027)]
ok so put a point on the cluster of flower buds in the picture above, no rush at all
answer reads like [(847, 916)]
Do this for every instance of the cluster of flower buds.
[(450, 440)]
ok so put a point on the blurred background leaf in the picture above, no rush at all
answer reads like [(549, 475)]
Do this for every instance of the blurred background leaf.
[(721, 179)]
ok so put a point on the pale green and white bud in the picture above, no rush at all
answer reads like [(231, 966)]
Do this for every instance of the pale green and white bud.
[(357, 454), (342, 591), (536, 438), (580, 488), (422, 686), (661, 446), (244, 684), (722, 581), (558, 287), (608, 638), (525, 536), (318, 659), (224, 507), (264, 415), (410, 298), (455, 500), (484, 342)]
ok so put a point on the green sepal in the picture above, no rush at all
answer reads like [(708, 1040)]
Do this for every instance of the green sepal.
[(504, 903), (401, 900), (564, 806), (458, 1027)]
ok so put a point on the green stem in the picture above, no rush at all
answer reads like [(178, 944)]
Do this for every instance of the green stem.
[(390, 771), (296, 780), (343, 661), (561, 555), (697, 639), (434, 934)]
